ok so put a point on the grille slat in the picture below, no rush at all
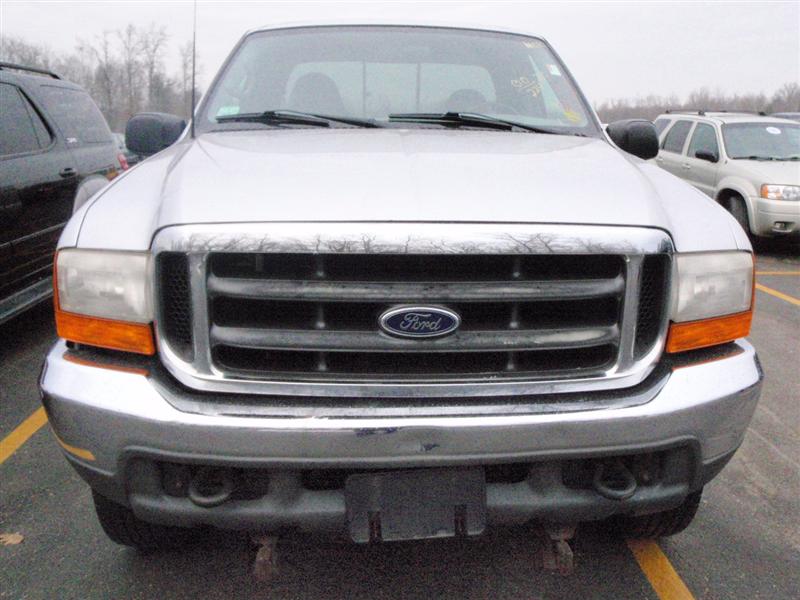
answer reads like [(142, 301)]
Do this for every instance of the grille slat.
[(405, 292), (366, 341)]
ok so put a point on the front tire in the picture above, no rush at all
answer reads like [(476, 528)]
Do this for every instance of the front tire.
[(737, 207), (125, 528), (660, 524)]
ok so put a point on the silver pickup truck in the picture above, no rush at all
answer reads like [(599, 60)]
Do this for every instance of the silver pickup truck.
[(396, 282)]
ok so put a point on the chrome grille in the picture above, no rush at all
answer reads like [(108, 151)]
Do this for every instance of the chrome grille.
[(288, 315)]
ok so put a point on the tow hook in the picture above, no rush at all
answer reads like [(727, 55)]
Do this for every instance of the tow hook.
[(613, 480), (210, 487), (557, 554)]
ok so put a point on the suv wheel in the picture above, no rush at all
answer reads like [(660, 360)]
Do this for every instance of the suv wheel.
[(125, 528), (738, 209), (660, 524)]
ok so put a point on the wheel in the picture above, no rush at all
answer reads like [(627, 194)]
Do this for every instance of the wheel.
[(738, 209), (125, 528), (661, 524)]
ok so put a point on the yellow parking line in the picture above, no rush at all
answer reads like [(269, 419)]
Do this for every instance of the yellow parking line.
[(662, 576), (777, 272), (12, 442), (777, 294)]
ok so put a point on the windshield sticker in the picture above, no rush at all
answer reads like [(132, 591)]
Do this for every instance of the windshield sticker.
[(554, 70), (773, 130), (226, 111), (526, 86), (572, 116), (533, 44)]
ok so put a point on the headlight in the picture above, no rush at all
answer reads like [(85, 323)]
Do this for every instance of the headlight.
[(711, 299), (103, 298), (773, 191)]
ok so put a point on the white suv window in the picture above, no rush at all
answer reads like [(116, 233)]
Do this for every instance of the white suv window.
[(661, 125), (704, 139), (676, 137)]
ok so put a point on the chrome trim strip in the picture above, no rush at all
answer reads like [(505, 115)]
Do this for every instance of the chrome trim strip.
[(630, 311), (411, 238), (367, 341), (388, 291), (399, 238)]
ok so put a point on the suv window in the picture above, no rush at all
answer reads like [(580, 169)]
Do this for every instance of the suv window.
[(676, 137), (704, 138), (661, 125), (77, 115), (21, 128)]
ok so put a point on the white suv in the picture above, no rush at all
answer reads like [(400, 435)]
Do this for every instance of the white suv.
[(750, 164)]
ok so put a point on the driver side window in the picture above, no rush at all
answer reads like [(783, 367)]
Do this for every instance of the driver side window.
[(704, 139)]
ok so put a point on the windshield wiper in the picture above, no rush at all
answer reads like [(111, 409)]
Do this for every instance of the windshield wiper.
[(457, 119), (293, 117), (754, 157)]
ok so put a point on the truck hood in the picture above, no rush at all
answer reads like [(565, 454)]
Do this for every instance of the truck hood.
[(406, 175), (389, 175)]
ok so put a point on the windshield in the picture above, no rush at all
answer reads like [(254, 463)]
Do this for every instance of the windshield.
[(372, 72), (762, 140)]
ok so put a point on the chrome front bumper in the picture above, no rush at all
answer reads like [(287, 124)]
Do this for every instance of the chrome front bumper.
[(119, 416)]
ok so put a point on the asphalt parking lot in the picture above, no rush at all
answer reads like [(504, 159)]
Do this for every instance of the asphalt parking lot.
[(744, 543)]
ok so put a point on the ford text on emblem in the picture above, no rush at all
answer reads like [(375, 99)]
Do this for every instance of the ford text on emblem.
[(419, 321)]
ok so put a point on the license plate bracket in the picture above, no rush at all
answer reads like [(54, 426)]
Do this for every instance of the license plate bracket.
[(416, 504)]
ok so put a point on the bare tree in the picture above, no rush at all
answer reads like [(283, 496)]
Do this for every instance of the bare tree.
[(189, 64), (130, 62), (105, 84), (153, 42), (123, 70)]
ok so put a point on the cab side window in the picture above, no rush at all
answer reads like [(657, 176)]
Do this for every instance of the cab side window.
[(21, 128), (676, 137), (704, 139)]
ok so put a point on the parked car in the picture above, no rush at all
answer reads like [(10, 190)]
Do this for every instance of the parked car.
[(129, 158), (792, 116), (55, 146), (748, 163), (395, 281)]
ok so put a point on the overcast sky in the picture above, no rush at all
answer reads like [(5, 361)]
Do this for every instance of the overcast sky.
[(614, 49)]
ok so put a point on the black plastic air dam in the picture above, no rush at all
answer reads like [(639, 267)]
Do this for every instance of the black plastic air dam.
[(542, 495)]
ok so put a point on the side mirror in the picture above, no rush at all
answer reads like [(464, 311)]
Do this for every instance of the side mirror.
[(635, 136), (148, 133), (707, 155)]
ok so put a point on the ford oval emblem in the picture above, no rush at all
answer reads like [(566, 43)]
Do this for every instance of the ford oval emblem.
[(419, 321)]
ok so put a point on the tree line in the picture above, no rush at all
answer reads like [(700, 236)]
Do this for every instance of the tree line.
[(784, 99), (123, 70)]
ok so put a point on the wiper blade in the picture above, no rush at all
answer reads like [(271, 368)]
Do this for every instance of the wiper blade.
[(293, 117), (465, 118), (754, 157)]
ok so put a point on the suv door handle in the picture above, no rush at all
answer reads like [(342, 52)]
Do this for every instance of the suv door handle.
[(67, 172), (686, 166), (659, 159)]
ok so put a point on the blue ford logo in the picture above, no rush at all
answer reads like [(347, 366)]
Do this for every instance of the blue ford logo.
[(419, 321)]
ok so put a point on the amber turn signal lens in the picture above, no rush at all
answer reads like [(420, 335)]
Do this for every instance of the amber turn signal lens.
[(105, 333), (708, 332)]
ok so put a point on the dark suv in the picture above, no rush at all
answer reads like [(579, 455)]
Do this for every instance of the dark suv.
[(55, 146)]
